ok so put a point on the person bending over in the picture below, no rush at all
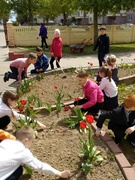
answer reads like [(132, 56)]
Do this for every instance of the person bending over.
[(15, 153), (122, 120), (93, 96)]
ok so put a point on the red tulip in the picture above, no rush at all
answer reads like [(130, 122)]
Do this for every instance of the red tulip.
[(82, 125), (55, 87), (30, 88), (23, 102), (77, 99), (20, 109), (66, 108), (30, 107), (91, 64), (90, 119)]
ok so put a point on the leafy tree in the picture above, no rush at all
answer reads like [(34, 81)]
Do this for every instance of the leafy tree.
[(102, 7), (4, 13), (52, 8), (25, 9), (4, 10), (47, 9), (66, 7)]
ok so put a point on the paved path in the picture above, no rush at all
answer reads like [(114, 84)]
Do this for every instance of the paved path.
[(81, 61), (4, 63)]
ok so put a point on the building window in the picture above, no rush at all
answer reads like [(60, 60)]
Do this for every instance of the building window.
[(130, 17)]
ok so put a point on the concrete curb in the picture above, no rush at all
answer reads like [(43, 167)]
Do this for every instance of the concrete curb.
[(125, 167)]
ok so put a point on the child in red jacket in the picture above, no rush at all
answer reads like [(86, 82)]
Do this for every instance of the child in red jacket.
[(56, 49)]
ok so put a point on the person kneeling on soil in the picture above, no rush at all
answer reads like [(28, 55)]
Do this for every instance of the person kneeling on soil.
[(122, 120), (14, 153), (93, 96), (7, 103), (42, 62), (19, 68)]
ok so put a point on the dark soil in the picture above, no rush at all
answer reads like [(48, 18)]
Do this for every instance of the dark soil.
[(60, 146)]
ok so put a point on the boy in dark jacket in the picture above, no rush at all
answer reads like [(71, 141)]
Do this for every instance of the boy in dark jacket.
[(122, 120), (102, 43), (42, 62)]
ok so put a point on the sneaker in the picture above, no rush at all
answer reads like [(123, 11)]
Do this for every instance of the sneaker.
[(133, 143), (6, 78)]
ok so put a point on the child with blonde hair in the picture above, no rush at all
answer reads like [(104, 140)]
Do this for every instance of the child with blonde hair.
[(122, 120), (19, 68), (56, 49), (14, 153)]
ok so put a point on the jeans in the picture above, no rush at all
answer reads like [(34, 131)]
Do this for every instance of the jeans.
[(14, 73), (16, 174), (33, 71)]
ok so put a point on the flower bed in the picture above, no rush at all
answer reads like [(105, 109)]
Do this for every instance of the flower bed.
[(59, 145)]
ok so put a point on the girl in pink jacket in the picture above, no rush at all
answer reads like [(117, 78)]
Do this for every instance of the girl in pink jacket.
[(56, 49), (93, 98)]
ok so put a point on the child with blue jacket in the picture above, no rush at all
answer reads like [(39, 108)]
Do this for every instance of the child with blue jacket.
[(42, 62)]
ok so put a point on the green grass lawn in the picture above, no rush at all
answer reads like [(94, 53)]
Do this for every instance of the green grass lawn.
[(88, 50)]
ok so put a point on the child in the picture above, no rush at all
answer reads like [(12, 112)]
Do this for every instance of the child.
[(111, 64), (19, 68), (7, 102), (5, 135), (42, 62), (122, 120), (109, 88), (93, 96), (56, 49), (14, 153), (103, 44)]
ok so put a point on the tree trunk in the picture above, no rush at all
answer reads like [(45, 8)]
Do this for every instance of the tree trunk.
[(64, 18), (95, 14), (30, 12), (5, 30)]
